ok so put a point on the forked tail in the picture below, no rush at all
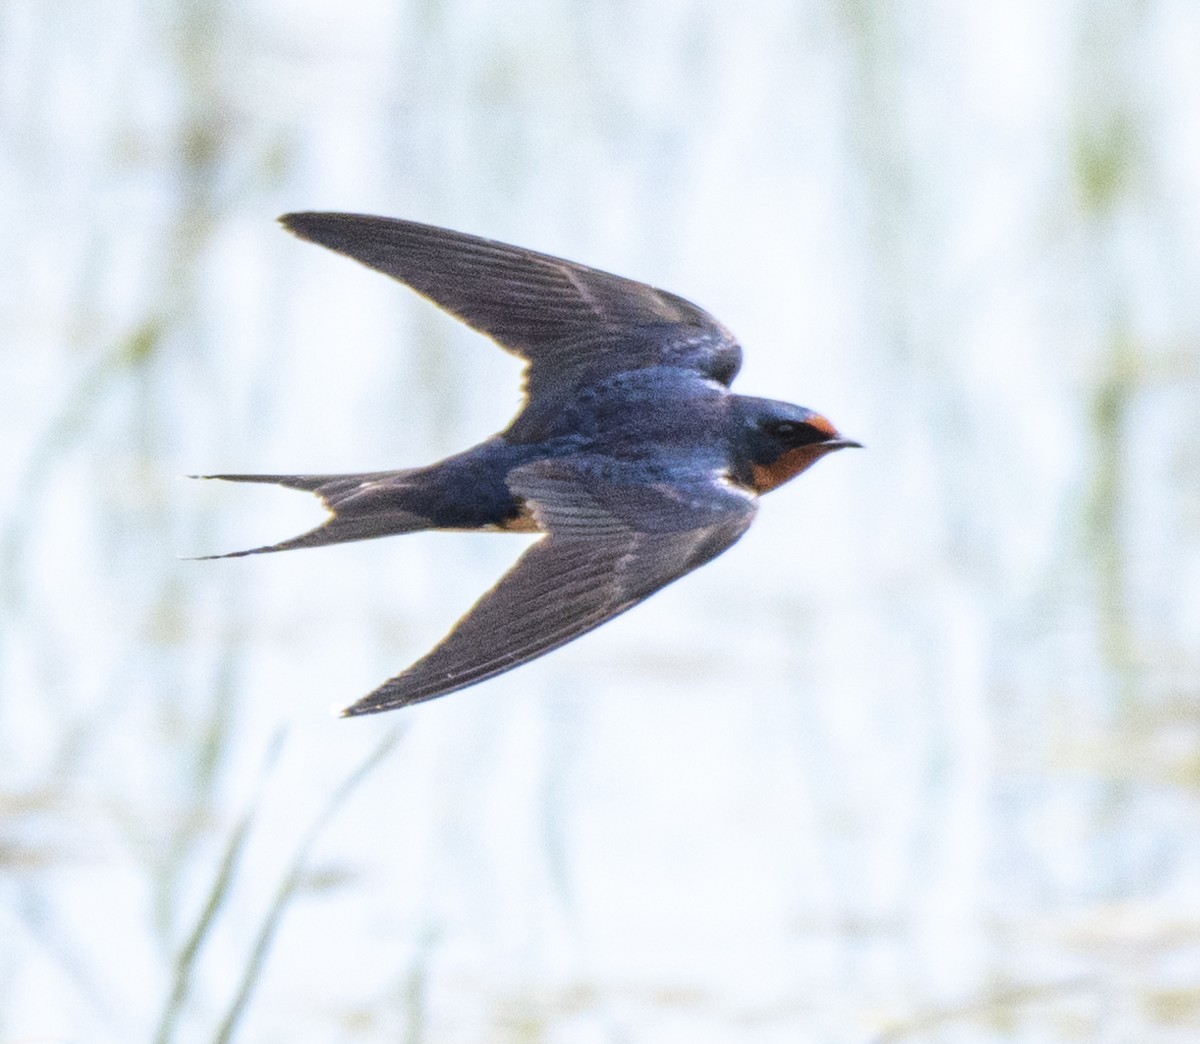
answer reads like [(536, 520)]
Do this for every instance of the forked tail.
[(372, 504)]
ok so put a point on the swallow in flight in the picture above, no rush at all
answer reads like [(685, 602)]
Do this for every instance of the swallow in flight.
[(630, 455)]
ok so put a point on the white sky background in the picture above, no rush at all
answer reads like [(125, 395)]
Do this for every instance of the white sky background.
[(916, 760)]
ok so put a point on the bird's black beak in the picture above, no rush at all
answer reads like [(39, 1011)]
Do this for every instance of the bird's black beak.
[(841, 442)]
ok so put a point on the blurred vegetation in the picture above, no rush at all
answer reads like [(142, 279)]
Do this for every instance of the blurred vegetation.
[(140, 758)]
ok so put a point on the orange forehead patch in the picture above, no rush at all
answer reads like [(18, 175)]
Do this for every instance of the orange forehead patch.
[(821, 424)]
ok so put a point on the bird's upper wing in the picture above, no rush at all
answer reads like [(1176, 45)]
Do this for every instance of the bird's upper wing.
[(609, 544), (568, 321)]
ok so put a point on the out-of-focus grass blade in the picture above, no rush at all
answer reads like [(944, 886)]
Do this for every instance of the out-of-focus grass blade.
[(185, 962), (292, 881)]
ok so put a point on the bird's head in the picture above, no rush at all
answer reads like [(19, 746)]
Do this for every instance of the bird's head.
[(780, 440)]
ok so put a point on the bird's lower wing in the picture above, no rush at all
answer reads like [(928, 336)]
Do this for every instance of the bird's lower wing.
[(590, 567)]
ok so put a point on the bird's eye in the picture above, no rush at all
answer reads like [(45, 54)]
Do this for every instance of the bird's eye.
[(795, 433)]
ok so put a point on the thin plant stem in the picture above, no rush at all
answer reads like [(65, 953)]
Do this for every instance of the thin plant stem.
[(185, 962), (292, 882)]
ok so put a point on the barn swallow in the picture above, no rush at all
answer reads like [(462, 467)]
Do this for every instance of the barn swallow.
[(630, 454)]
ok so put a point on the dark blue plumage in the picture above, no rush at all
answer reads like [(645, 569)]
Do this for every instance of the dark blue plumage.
[(630, 454)]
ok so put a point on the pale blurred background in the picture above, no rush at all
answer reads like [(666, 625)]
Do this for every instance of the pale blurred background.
[(918, 760)]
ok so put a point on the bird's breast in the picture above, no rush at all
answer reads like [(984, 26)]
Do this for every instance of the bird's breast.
[(784, 468)]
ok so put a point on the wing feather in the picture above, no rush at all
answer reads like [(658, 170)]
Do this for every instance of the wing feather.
[(591, 566), (570, 322)]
